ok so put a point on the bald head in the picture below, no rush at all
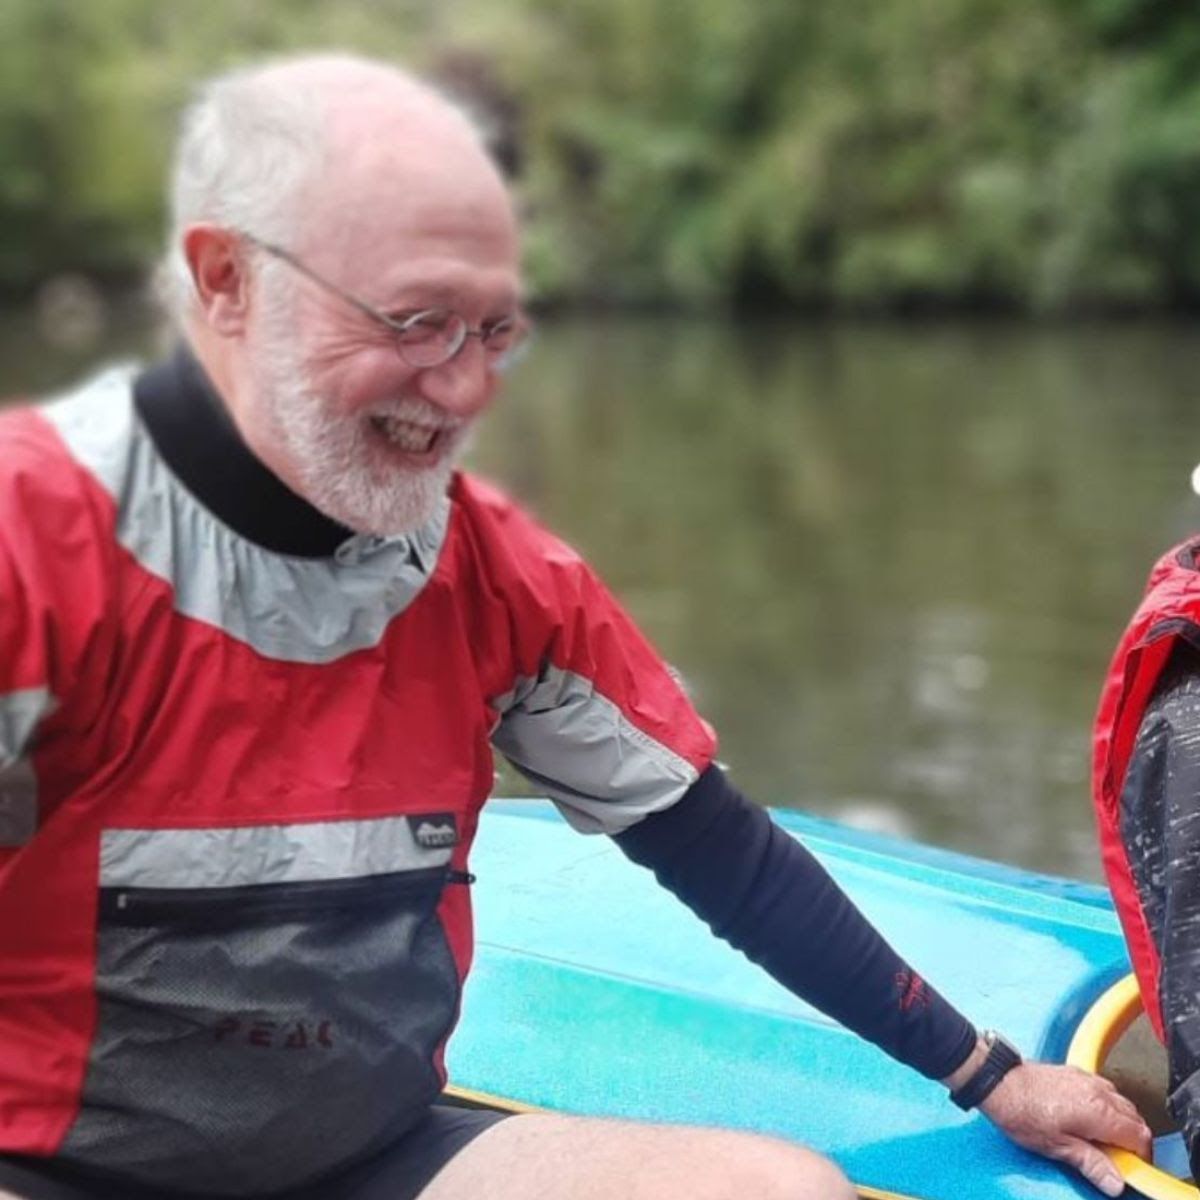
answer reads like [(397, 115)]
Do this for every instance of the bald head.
[(395, 150), (311, 148)]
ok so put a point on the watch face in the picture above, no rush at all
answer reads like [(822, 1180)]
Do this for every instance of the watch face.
[(994, 1037), (1003, 1041), (1002, 1056)]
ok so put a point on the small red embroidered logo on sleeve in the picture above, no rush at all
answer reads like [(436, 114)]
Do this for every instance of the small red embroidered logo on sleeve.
[(911, 991)]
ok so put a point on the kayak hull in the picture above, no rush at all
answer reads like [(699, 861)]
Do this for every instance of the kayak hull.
[(594, 991)]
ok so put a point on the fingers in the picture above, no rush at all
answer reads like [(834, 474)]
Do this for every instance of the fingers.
[(1132, 1134), (1109, 1093), (1093, 1164), (1115, 1120), (1108, 1116), (1123, 1104)]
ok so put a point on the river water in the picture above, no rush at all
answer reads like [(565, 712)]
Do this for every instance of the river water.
[(891, 561)]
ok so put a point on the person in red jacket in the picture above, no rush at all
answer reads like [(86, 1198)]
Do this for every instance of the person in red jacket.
[(1146, 788), (260, 639)]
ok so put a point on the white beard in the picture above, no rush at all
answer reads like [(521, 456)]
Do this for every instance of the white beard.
[(336, 462)]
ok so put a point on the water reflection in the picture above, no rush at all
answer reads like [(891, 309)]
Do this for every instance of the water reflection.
[(891, 561)]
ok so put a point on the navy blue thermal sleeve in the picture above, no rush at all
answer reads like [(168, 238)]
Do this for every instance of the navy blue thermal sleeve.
[(763, 892)]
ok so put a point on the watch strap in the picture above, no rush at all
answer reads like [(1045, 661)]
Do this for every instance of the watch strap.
[(1002, 1056)]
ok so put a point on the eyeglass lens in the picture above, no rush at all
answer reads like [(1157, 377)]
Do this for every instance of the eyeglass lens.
[(428, 338)]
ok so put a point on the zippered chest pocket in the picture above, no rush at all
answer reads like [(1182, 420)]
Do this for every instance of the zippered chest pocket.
[(252, 1036)]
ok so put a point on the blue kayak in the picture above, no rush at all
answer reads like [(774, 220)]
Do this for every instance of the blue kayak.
[(594, 991)]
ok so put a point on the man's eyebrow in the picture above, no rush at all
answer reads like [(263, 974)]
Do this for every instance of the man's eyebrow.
[(409, 296)]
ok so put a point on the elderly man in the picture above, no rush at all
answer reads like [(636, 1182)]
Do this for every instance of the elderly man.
[(260, 638)]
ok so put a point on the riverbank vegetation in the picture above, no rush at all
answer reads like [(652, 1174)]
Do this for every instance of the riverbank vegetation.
[(1039, 156)]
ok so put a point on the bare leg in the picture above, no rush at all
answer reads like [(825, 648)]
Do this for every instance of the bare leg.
[(551, 1157)]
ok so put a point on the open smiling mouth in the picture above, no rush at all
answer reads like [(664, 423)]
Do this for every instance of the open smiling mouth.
[(408, 436)]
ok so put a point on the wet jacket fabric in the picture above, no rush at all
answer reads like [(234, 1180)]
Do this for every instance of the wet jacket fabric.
[(1146, 787), (238, 789)]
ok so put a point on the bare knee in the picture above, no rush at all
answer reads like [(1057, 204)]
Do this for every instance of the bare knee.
[(811, 1177), (545, 1155), (769, 1169)]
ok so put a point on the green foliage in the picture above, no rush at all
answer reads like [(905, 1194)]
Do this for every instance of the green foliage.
[(1033, 154)]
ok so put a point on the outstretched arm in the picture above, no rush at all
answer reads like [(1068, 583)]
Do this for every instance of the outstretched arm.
[(763, 892)]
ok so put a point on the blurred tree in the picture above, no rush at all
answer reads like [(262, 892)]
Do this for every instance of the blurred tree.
[(875, 154)]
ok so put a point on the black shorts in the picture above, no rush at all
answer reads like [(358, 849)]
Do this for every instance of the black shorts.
[(397, 1173)]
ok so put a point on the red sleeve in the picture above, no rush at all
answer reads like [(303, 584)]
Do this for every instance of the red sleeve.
[(54, 571), (586, 707)]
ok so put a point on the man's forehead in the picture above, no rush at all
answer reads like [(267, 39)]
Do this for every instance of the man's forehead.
[(452, 249), (407, 199), (435, 281), (386, 138), (427, 191)]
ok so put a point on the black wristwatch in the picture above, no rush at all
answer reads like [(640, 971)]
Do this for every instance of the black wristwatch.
[(1002, 1056)]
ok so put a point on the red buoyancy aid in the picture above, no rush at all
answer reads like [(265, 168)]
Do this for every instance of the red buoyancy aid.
[(1169, 610), (238, 791)]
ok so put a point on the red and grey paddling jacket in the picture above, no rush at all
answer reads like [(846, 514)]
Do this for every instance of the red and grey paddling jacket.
[(237, 793)]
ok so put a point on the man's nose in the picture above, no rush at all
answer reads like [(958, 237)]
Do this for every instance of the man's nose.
[(462, 385)]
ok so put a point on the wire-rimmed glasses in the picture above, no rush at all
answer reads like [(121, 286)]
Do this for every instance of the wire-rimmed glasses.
[(423, 339)]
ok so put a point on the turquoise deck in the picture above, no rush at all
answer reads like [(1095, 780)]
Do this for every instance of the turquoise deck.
[(594, 991)]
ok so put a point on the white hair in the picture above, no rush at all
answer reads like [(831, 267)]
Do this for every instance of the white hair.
[(249, 142)]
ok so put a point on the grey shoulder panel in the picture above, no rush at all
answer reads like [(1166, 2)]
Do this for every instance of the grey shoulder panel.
[(291, 609), (576, 744)]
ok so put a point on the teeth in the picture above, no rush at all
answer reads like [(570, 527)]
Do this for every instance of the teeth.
[(416, 439)]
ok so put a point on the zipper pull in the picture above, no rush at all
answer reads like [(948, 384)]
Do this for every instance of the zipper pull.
[(463, 877)]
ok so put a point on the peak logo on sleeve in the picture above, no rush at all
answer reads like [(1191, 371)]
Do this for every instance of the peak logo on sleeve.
[(434, 831)]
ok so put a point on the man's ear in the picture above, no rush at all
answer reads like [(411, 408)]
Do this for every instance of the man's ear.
[(217, 261)]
